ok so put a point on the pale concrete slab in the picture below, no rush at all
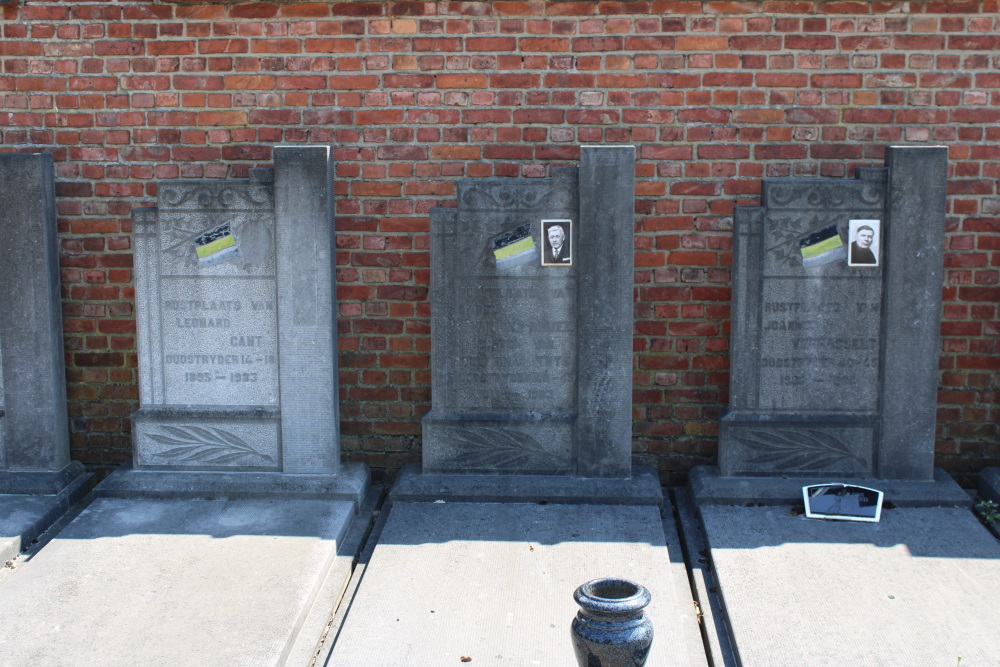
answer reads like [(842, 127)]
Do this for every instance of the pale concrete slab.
[(494, 582), (177, 582), (918, 588)]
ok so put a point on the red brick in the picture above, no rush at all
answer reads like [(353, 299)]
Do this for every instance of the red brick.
[(505, 44), (606, 43), (253, 11), (40, 83), (359, 82), (836, 80), (755, 42), (301, 82), (702, 43), (468, 81), (781, 152), (550, 44), (751, 116), (274, 45), (216, 118), (723, 152), (331, 45), (249, 82), (182, 82), (211, 46), (165, 47), (918, 42)]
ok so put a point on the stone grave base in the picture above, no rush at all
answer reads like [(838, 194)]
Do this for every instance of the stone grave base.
[(412, 485), (917, 588), (451, 579), (351, 484), (989, 484), (145, 581), (708, 487), (30, 502)]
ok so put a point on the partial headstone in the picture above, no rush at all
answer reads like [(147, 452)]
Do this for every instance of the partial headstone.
[(236, 312), (34, 431), (836, 314), (531, 325)]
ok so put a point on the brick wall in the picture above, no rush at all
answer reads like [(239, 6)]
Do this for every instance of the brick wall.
[(415, 95)]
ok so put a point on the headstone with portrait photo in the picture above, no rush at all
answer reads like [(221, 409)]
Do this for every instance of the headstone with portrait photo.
[(531, 323), (836, 314)]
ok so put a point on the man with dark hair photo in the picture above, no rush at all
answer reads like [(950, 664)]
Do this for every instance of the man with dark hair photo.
[(861, 247), (557, 242)]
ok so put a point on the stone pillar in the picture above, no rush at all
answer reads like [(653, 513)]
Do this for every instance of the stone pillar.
[(307, 309), (914, 237), (34, 432)]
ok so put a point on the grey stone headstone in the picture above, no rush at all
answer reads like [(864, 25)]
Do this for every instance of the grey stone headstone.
[(834, 367), (531, 359), (236, 310), (34, 434)]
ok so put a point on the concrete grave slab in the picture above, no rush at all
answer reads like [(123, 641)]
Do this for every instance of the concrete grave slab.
[(494, 583), (918, 588), (179, 582)]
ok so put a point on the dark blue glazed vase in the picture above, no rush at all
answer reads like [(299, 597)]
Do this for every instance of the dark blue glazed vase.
[(611, 628)]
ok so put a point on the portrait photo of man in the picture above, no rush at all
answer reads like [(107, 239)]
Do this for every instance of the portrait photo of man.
[(556, 235), (864, 238)]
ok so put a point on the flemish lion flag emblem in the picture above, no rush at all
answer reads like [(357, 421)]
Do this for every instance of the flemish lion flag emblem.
[(822, 247), (514, 248), (216, 246)]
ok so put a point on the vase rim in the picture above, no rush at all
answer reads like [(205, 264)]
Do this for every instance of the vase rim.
[(612, 594)]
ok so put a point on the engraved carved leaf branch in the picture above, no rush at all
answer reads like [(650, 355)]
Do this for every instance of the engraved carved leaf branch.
[(786, 250), (204, 445), (498, 446), (803, 449)]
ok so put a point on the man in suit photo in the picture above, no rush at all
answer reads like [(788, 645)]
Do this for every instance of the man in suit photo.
[(557, 243)]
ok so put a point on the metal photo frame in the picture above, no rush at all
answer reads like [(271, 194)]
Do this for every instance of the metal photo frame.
[(842, 502)]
